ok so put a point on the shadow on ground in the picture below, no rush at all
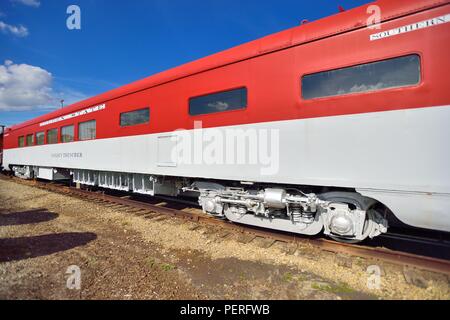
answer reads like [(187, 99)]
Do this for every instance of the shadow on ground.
[(12, 249), (26, 217)]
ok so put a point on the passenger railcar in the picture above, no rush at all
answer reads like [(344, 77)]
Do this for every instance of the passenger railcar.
[(355, 118)]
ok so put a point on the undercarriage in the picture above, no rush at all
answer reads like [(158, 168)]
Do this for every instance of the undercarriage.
[(343, 216)]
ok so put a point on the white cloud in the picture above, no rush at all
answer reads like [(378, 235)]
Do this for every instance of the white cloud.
[(31, 3), (24, 87), (19, 31)]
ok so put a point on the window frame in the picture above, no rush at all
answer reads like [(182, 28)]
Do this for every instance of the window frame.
[(137, 124), (32, 140), (36, 138), (79, 131), (218, 92), (337, 96), (23, 141), (46, 136), (61, 133)]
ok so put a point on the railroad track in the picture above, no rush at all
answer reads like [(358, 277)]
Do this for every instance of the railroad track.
[(161, 210)]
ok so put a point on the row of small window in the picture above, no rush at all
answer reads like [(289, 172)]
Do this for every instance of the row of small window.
[(86, 131), (374, 76)]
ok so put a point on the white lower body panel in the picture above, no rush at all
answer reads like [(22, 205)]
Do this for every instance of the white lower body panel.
[(400, 158)]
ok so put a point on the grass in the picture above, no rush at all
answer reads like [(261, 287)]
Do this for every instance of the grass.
[(289, 277), (337, 288), (152, 263), (167, 267), (92, 261), (360, 262)]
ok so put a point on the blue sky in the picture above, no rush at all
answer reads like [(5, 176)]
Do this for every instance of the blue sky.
[(123, 41)]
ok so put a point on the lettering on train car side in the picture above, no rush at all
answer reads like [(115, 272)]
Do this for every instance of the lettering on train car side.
[(67, 155), (412, 27)]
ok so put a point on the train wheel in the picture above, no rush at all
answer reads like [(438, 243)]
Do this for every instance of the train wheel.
[(370, 226), (374, 223)]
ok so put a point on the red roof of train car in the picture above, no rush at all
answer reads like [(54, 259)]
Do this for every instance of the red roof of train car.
[(326, 27)]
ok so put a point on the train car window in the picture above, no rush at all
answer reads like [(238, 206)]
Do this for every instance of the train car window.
[(30, 139), (87, 130), (21, 141), (136, 117), (67, 134), (52, 136), (389, 73), (40, 138), (218, 102)]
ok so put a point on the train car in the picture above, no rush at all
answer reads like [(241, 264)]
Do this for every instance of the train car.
[(333, 126)]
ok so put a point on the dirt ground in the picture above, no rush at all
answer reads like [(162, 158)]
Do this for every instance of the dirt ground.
[(126, 256)]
